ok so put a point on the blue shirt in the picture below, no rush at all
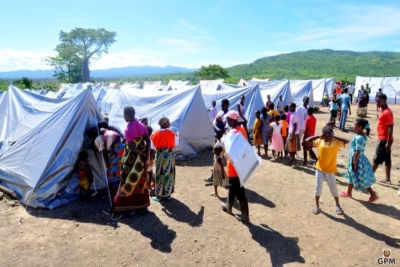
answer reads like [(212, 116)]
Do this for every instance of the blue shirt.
[(345, 100)]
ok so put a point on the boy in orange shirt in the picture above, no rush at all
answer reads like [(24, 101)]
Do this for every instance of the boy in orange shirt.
[(285, 130), (234, 188)]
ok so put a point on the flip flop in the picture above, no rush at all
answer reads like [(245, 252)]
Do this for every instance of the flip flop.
[(345, 194), (385, 182), (373, 198), (339, 211), (316, 210), (157, 199)]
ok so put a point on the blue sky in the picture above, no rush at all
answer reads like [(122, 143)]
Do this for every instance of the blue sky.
[(192, 33)]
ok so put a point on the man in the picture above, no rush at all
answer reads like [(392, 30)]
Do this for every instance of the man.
[(293, 141), (212, 112), (368, 91), (350, 90), (234, 188), (242, 117), (302, 112), (385, 138), (376, 96), (268, 102), (222, 113), (279, 107), (344, 109)]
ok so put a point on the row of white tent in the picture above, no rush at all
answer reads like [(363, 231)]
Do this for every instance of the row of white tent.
[(390, 87)]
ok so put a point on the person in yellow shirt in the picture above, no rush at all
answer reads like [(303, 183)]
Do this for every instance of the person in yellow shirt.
[(272, 111), (328, 148)]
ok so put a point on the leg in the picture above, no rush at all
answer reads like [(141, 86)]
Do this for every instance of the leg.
[(244, 206), (258, 150), (227, 207), (304, 156), (266, 150), (331, 180), (388, 167), (312, 154), (350, 189), (319, 179)]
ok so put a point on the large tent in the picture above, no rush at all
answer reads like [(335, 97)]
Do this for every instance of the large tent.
[(151, 85), (109, 99), (210, 85), (2, 95), (275, 89), (385, 83), (319, 89), (300, 89), (44, 137), (185, 110)]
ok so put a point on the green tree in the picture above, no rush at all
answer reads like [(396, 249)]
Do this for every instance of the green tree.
[(24, 83), (3, 85), (211, 72), (68, 68), (83, 45)]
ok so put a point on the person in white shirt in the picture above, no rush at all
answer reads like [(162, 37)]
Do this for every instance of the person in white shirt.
[(302, 112), (350, 91), (212, 112), (279, 107), (293, 140), (242, 117)]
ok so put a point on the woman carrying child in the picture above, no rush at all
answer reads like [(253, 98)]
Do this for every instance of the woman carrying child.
[(360, 174)]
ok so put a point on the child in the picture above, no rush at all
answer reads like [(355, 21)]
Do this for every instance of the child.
[(221, 126), (285, 130), (328, 148), (360, 173), (85, 176), (311, 123), (325, 100), (286, 110), (257, 129), (219, 176), (276, 139), (151, 180), (265, 121), (333, 109)]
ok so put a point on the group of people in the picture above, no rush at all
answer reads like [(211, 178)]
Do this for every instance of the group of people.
[(129, 158)]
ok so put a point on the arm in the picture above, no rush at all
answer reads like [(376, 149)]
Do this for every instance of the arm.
[(240, 112), (390, 133), (148, 149), (219, 160), (355, 160), (348, 104), (342, 139), (134, 149), (312, 138)]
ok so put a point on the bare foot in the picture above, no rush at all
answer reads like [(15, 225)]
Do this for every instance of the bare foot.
[(385, 181)]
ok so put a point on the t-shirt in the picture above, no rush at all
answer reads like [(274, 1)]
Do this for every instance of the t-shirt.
[(294, 119), (302, 111), (267, 104), (385, 119), (288, 114), (285, 127), (105, 141), (311, 123), (212, 113), (134, 129), (338, 90), (230, 169), (327, 154), (333, 106), (273, 113), (367, 89), (345, 101), (164, 138), (242, 111), (350, 89), (279, 107)]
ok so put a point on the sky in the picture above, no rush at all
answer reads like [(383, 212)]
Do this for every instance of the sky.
[(193, 33)]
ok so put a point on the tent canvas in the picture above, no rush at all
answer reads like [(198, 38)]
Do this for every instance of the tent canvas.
[(177, 84), (109, 99), (185, 110), (41, 171), (210, 85), (300, 89), (275, 89), (319, 89), (151, 85), (392, 91), (379, 82)]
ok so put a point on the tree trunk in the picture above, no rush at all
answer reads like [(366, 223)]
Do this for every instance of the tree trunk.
[(85, 70)]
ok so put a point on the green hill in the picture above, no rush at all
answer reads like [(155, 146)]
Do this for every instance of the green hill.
[(314, 64)]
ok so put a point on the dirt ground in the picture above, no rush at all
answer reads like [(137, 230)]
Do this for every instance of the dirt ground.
[(191, 230)]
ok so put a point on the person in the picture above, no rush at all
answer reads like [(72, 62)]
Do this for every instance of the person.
[(151, 181), (338, 90), (333, 108), (234, 188), (272, 112), (133, 195), (268, 102), (257, 130), (276, 139), (242, 117), (293, 140), (265, 129), (350, 90), (368, 92), (328, 148), (219, 176), (285, 129), (212, 112), (85, 176), (344, 110), (279, 107), (325, 101), (359, 170), (164, 141), (286, 110), (376, 96), (145, 121), (362, 110), (311, 123), (104, 124), (219, 122), (385, 138), (302, 112)]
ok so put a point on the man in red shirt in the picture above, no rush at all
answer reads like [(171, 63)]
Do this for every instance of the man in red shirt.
[(385, 137), (310, 123), (234, 188)]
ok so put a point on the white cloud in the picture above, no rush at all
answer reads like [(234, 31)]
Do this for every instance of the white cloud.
[(11, 60), (119, 60)]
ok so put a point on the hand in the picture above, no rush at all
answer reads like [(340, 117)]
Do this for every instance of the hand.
[(354, 167), (148, 163), (388, 146), (349, 112)]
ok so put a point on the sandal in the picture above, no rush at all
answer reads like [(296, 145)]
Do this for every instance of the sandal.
[(115, 216), (373, 198), (345, 194), (157, 199), (339, 211), (316, 210), (213, 194)]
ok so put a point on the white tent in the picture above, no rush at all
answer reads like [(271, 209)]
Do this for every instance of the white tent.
[(392, 91), (109, 99), (210, 85), (275, 89), (300, 89), (44, 137), (242, 82), (253, 100), (151, 85), (379, 82), (178, 84), (329, 85), (2, 95), (254, 79), (319, 89), (185, 110)]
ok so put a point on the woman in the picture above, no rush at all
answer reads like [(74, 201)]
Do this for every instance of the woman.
[(133, 194), (164, 141)]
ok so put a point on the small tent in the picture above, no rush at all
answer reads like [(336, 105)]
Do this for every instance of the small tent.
[(185, 110), (319, 89), (151, 85), (300, 89), (210, 85), (44, 137), (177, 84)]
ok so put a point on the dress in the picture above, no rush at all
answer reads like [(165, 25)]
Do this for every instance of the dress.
[(219, 173), (364, 177), (277, 141), (256, 132)]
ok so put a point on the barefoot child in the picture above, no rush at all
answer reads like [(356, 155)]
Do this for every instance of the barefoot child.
[(276, 139), (257, 129), (328, 148), (293, 140), (285, 130), (360, 173), (311, 123), (219, 176), (85, 176), (265, 124)]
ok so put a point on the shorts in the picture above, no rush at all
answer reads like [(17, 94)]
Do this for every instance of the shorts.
[(308, 145), (333, 113), (265, 138), (381, 155), (330, 179)]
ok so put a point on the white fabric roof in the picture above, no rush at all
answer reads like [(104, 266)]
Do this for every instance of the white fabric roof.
[(300, 89), (275, 89), (380, 82)]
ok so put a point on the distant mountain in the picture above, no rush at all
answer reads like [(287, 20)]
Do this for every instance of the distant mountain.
[(314, 64), (108, 73)]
